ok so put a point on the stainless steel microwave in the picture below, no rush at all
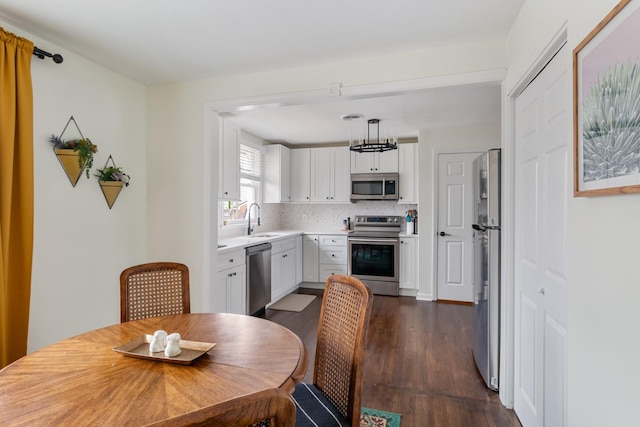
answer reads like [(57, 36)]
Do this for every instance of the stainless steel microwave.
[(374, 186)]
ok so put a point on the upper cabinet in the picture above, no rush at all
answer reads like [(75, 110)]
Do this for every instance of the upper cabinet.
[(300, 179), (229, 162), (408, 173), (385, 162), (277, 175), (330, 174)]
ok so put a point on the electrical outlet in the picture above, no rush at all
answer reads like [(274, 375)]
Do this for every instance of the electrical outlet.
[(335, 89)]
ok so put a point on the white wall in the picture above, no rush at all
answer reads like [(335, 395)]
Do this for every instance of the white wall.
[(80, 246), (604, 375), (178, 115), (432, 143)]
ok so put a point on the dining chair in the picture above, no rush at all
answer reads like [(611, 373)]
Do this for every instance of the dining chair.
[(154, 289), (335, 395), (272, 407)]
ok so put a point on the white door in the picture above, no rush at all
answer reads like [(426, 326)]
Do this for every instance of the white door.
[(455, 235), (541, 293)]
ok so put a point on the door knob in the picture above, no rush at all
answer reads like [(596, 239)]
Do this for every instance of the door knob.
[(442, 233)]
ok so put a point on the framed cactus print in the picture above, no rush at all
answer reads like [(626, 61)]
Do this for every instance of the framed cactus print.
[(606, 100)]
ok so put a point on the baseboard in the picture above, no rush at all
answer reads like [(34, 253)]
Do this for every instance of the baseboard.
[(448, 301)]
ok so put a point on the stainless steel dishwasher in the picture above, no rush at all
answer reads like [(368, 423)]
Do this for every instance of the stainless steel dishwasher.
[(258, 277)]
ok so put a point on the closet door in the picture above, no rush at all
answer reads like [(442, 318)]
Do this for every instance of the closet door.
[(541, 292)]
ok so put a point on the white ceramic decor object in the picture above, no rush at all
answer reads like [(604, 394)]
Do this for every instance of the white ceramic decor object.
[(173, 345), (158, 342)]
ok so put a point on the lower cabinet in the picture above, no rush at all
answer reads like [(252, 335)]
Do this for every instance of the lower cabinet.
[(298, 260), (283, 267), (230, 292), (409, 262), (323, 255), (310, 248), (235, 284), (332, 256)]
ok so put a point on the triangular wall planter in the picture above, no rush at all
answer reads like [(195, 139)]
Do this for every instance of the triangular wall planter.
[(69, 161), (111, 190)]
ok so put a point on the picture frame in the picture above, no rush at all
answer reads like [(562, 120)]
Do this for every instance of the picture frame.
[(606, 104)]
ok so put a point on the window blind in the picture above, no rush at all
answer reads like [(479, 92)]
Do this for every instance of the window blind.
[(251, 162)]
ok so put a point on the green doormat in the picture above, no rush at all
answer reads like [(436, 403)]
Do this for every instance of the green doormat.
[(376, 418)]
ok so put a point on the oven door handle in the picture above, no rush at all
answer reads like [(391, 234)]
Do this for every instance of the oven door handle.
[(373, 240)]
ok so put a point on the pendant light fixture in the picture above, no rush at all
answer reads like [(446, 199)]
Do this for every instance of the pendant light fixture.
[(370, 145)]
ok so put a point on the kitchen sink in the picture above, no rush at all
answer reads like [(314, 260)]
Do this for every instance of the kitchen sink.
[(261, 235)]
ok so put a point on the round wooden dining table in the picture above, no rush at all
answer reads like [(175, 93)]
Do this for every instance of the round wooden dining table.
[(83, 381)]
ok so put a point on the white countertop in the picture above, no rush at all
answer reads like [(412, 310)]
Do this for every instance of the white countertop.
[(241, 242)]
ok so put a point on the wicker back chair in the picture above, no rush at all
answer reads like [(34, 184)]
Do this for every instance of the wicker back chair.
[(338, 366), (154, 289), (272, 408)]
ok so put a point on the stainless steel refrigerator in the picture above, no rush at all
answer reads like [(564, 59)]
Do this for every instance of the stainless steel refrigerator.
[(486, 260)]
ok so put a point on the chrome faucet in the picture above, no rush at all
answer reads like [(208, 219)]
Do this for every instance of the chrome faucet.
[(249, 228)]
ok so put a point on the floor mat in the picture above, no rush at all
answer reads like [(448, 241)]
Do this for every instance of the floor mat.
[(293, 302)]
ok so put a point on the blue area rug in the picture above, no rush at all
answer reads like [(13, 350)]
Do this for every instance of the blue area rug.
[(377, 418)]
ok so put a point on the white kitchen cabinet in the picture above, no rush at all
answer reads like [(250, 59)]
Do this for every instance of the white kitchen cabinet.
[(277, 174), (298, 260), (376, 162), (332, 256), (229, 162), (235, 284), (408, 173), (229, 292), (409, 262), (330, 174), (283, 267), (300, 174), (310, 253)]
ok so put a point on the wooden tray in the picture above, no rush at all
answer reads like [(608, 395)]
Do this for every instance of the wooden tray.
[(139, 348)]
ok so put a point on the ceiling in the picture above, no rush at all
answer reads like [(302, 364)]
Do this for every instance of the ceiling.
[(165, 41)]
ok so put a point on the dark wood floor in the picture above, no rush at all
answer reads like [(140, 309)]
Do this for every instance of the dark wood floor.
[(418, 362)]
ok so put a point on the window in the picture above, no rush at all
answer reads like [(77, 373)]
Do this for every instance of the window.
[(251, 172)]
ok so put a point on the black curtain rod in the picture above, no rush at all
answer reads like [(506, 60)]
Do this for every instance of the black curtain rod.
[(57, 58)]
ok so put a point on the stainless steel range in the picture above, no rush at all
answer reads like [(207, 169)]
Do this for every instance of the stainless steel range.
[(374, 252)]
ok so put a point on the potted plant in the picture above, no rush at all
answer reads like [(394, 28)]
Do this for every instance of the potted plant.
[(83, 148), (113, 173), (111, 180)]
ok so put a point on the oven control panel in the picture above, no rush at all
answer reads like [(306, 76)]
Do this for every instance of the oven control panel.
[(370, 220)]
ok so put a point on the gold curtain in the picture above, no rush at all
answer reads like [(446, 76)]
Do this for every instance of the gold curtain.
[(16, 194)]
